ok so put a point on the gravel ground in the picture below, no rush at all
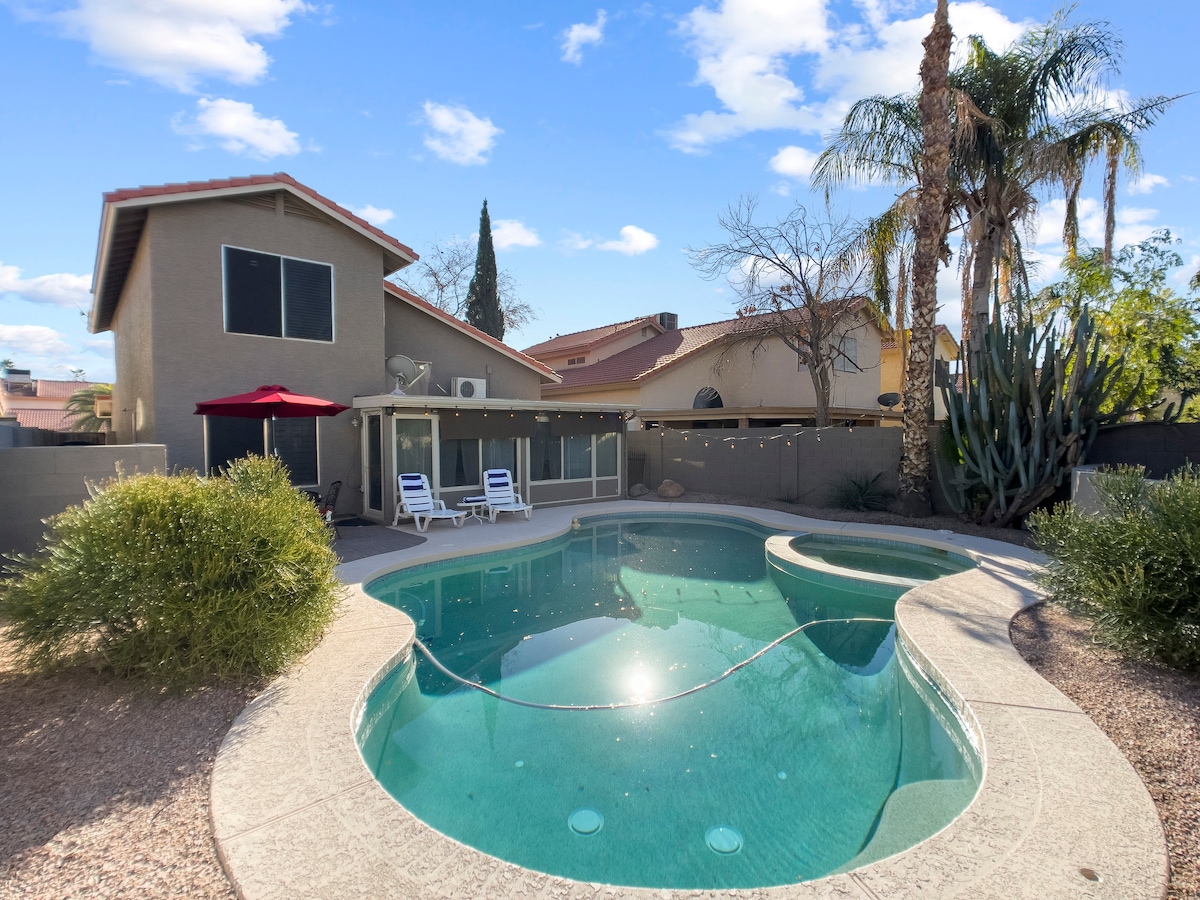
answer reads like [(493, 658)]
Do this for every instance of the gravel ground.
[(1151, 712), (104, 783)]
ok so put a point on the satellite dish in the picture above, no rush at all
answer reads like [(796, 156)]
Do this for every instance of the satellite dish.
[(889, 400), (404, 370)]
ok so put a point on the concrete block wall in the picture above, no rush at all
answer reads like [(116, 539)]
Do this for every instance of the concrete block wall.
[(38, 482), (769, 463)]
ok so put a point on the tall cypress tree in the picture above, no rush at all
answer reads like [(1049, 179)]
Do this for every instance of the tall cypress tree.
[(483, 301)]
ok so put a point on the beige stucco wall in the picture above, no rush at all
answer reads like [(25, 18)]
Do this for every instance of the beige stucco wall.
[(418, 335), (38, 482), (746, 378), (890, 380), (133, 407)]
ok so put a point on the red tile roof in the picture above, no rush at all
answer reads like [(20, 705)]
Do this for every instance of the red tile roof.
[(50, 419), (191, 187), (655, 354), (469, 329), (582, 340), (61, 389)]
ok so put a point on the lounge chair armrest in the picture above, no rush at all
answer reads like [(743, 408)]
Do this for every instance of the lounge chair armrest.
[(439, 504), (518, 499)]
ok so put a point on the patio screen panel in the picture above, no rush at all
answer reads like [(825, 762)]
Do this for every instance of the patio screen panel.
[(296, 446)]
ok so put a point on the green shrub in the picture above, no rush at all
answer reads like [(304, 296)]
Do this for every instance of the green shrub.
[(863, 493), (1135, 568), (178, 578)]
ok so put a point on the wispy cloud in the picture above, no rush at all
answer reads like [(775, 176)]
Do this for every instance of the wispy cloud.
[(376, 216), (634, 242), (180, 42), (508, 233), (57, 290), (26, 341), (458, 135), (239, 129), (745, 51), (793, 162), (1147, 183), (580, 35)]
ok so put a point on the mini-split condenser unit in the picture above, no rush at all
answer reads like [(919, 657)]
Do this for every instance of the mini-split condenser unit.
[(469, 388)]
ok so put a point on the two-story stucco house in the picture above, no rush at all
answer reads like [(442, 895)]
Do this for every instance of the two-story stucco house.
[(214, 288)]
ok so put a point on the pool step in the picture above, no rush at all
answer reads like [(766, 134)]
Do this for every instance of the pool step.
[(911, 814)]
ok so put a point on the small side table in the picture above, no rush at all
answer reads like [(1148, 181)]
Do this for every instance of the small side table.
[(476, 505)]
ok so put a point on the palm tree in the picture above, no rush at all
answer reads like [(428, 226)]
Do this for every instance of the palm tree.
[(82, 405), (1026, 122)]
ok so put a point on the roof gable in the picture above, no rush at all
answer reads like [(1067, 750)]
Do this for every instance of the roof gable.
[(652, 357), (547, 373), (585, 340), (124, 216)]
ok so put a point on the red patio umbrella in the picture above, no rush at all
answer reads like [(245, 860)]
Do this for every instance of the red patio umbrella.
[(271, 401)]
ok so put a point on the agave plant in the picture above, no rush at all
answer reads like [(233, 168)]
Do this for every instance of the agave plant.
[(1030, 415)]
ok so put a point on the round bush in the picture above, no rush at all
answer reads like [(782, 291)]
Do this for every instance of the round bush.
[(178, 577)]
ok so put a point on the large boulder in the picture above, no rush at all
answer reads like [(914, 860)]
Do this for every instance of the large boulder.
[(638, 490), (669, 489)]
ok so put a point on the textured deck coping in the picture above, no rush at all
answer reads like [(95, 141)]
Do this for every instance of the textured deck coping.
[(296, 813)]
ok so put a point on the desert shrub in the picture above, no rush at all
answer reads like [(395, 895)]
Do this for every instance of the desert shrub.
[(1135, 567), (863, 493), (178, 578)]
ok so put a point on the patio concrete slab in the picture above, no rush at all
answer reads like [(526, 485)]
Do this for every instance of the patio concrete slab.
[(1060, 813)]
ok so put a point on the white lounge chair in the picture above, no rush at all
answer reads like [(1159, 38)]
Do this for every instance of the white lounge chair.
[(498, 488), (416, 500)]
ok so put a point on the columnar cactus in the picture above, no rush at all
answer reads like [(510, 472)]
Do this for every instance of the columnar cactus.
[(1020, 427)]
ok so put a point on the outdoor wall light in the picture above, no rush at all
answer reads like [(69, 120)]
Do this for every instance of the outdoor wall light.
[(354, 423)]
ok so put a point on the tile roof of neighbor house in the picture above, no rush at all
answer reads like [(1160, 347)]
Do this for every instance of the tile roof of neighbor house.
[(124, 215), (581, 340), (47, 388), (49, 419), (467, 328), (655, 354)]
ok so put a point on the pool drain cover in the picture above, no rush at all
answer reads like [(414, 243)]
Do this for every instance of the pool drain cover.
[(585, 821), (723, 840)]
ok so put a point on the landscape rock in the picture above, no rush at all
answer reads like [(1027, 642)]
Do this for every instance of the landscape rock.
[(638, 490), (670, 489)]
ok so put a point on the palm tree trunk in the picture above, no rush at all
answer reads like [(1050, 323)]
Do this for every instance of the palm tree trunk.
[(932, 219)]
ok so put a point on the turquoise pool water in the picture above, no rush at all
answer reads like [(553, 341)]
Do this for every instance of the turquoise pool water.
[(825, 753), (880, 557)]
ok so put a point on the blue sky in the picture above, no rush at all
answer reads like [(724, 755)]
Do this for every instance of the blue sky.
[(606, 138)]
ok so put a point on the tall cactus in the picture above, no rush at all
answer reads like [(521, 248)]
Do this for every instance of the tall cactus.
[(1020, 427)]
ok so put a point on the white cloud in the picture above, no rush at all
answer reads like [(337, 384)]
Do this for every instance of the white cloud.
[(1146, 183), (507, 233), (374, 215), (239, 129), (744, 49), (1134, 224), (580, 35), (459, 136), (575, 241), (25, 341), (793, 162), (59, 290), (634, 242), (179, 42)]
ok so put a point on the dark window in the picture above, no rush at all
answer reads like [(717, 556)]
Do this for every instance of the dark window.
[(277, 296), (296, 447), (295, 442)]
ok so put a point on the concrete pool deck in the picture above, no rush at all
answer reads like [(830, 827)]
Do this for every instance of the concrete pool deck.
[(1060, 812)]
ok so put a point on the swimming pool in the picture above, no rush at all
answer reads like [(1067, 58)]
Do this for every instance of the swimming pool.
[(827, 752)]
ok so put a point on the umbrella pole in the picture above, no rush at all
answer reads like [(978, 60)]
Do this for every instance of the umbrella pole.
[(274, 448)]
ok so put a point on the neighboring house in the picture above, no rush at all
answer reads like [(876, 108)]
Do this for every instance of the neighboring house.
[(713, 376), (214, 288), (583, 348), (891, 375), (39, 402)]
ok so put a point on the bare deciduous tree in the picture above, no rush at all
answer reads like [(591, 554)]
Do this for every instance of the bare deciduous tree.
[(801, 280), (443, 274)]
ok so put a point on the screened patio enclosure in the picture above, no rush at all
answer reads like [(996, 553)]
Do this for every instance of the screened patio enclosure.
[(558, 453)]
